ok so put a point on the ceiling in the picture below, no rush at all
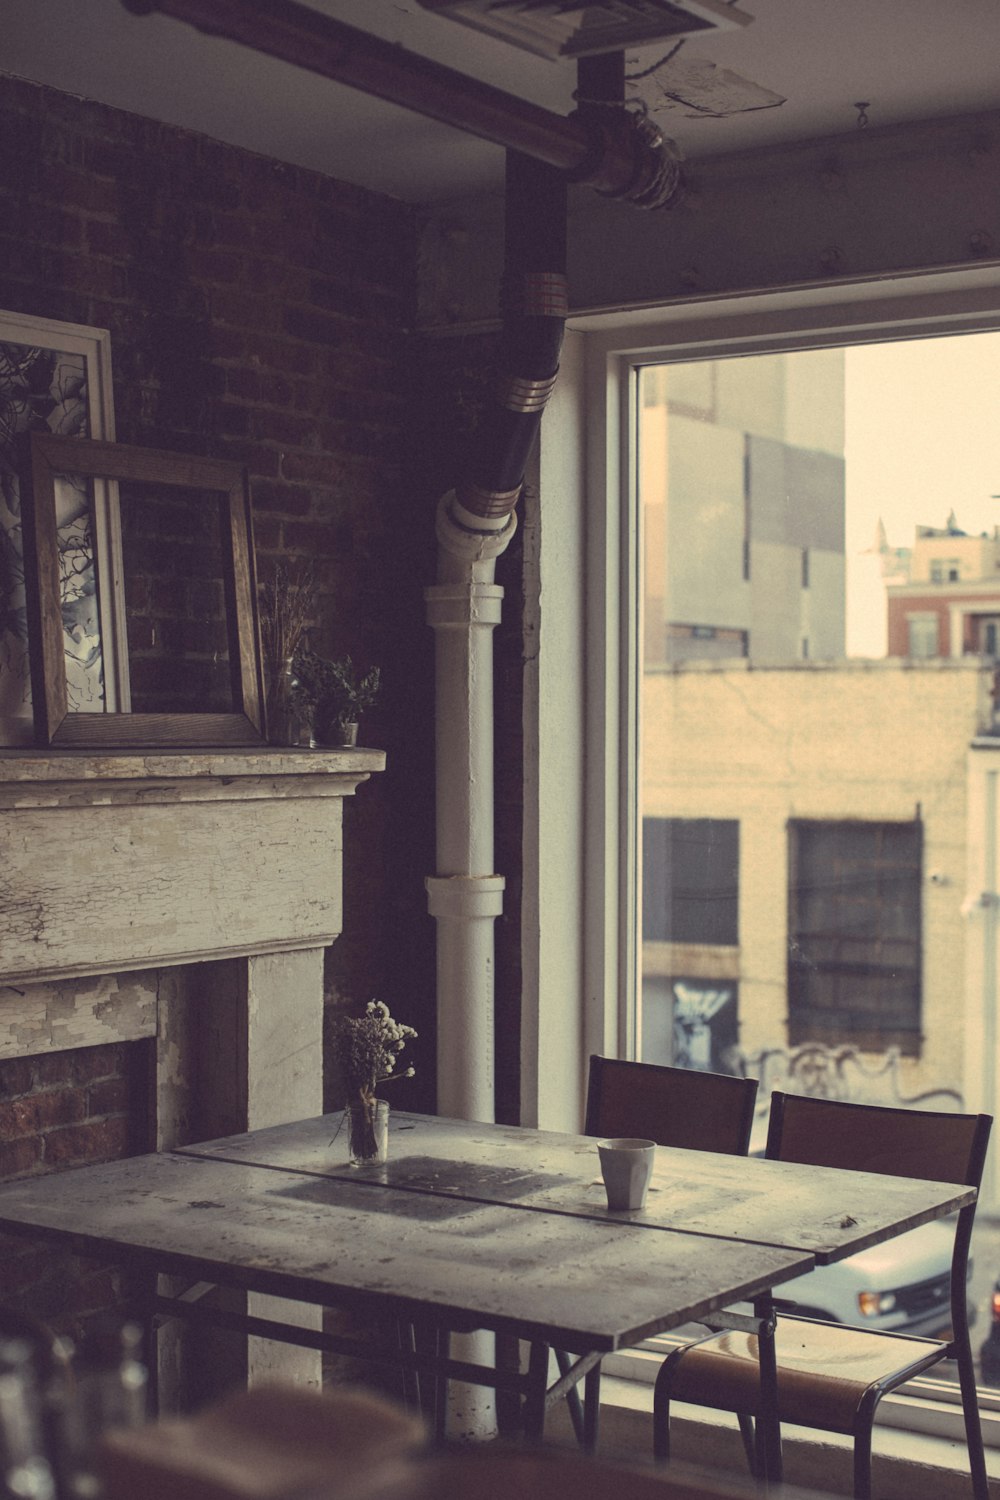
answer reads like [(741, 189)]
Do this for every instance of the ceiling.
[(908, 59)]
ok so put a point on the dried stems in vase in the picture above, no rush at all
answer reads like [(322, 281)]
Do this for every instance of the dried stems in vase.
[(287, 602), (287, 610)]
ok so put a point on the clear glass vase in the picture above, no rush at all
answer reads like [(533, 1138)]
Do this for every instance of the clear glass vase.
[(285, 724), (368, 1132)]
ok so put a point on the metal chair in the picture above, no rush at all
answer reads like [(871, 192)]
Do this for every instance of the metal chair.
[(673, 1107), (832, 1376)]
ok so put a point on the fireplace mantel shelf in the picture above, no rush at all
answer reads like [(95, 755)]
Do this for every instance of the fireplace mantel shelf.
[(46, 778), (110, 863)]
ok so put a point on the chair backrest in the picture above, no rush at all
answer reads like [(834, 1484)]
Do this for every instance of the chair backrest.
[(896, 1142), (878, 1138), (672, 1106)]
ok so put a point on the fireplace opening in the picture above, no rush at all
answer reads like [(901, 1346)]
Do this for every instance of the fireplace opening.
[(60, 1110)]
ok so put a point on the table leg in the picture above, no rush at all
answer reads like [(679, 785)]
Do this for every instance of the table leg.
[(140, 1300), (573, 1402), (508, 1361), (534, 1401), (406, 1340), (443, 1354), (591, 1408), (768, 1425)]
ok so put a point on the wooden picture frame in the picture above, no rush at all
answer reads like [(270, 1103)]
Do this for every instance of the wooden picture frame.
[(56, 378), (48, 457)]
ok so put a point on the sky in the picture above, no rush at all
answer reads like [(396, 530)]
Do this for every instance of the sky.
[(922, 438)]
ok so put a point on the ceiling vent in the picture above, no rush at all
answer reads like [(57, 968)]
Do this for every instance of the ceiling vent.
[(554, 30)]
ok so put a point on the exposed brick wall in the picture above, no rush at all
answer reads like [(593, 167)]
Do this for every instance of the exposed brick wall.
[(64, 1109), (258, 313)]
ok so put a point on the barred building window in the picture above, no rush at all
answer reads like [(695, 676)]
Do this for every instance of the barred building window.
[(854, 937)]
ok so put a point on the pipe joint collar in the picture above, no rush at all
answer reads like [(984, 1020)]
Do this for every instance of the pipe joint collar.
[(519, 394), (460, 605), (468, 536), (465, 896), (536, 294), (629, 158)]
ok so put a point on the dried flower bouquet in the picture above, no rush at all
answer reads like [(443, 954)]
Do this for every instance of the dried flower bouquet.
[(367, 1049)]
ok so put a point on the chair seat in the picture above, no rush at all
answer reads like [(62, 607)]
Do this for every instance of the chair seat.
[(824, 1370)]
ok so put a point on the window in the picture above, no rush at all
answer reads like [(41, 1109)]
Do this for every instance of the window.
[(644, 748), (854, 934), (690, 928), (711, 747), (690, 880), (922, 636)]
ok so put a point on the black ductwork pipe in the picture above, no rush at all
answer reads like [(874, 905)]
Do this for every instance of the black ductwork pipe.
[(534, 305), (610, 156)]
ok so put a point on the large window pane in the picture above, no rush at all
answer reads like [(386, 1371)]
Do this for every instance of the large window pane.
[(821, 592)]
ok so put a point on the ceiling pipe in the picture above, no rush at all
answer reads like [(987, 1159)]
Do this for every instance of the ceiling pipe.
[(621, 156)]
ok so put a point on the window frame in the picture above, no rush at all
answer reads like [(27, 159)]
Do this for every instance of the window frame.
[(586, 475), (604, 386)]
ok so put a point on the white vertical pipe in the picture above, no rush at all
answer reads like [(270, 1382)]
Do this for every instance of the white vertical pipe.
[(465, 897), (465, 908)]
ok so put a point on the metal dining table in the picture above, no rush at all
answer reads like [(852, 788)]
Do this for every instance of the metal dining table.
[(437, 1262), (826, 1212), (468, 1226)]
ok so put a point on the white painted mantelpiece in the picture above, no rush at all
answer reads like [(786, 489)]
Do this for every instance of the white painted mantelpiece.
[(115, 867), (112, 862)]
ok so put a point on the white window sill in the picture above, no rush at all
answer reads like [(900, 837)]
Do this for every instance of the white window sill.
[(906, 1465)]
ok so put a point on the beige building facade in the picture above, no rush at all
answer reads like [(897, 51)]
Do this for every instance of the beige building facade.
[(742, 479), (869, 743)]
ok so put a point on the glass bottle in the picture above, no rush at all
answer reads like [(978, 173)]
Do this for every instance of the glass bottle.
[(110, 1392), (25, 1471)]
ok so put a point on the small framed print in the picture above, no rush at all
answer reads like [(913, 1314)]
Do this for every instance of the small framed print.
[(55, 379)]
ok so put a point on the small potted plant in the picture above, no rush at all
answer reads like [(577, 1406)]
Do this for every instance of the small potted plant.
[(366, 1050), (334, 695)]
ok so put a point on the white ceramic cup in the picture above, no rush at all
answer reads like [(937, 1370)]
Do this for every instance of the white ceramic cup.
[(626, 1166)]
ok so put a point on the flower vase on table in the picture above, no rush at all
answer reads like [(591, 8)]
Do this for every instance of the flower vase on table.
[(366, 1050), (368, 1131)]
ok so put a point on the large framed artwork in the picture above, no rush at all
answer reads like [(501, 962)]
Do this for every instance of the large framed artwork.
[(190, 601), (55, 378)]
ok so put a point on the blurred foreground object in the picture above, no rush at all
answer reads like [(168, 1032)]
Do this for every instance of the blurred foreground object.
[(273, 1441)]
